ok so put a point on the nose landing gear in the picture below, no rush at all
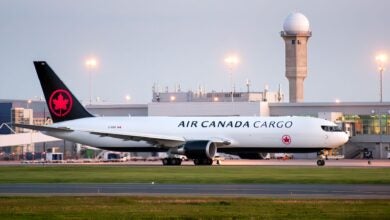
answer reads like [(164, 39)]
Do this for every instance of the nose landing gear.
[(321, 158)]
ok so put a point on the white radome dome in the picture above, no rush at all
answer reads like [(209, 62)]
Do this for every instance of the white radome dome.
[(296, 22)]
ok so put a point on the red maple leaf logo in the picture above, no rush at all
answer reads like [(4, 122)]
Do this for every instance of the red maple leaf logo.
[(60, 103), (286, 139)]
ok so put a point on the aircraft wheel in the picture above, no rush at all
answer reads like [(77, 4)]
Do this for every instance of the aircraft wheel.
[(205, 161), (176, 161), (320, 162), (196, 161), (165, 161)]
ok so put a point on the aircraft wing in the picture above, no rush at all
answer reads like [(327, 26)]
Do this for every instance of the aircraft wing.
[(155, 139)]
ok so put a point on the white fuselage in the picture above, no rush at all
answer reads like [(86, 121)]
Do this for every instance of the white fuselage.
[(240, 132)]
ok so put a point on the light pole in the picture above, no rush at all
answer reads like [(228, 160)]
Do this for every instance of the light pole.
[(29, 116), (28, 103), (381, 60), (231, 62), (91, 64)]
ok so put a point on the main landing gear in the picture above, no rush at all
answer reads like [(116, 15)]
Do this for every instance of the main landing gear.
[(321, 158), (171, 161), (204, 161)]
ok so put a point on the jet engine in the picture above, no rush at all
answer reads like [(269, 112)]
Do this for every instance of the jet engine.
[(200, 149)]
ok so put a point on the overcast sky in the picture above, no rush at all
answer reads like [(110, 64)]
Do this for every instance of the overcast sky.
[(138, 43)]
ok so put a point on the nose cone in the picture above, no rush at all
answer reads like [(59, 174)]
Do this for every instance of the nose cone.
[(337, 139), (344, 138), (340, 139)]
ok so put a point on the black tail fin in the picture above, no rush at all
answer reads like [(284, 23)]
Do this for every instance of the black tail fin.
[(62, 104)]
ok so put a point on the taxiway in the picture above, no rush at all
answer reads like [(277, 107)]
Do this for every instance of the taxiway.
[(341, 191)]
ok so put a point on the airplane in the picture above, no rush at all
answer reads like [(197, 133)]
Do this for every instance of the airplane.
[(198, 138)]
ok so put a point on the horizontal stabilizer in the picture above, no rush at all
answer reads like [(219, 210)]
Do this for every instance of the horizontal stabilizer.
[(24, 138)]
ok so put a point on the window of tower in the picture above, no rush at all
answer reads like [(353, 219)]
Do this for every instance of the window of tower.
[(299, 42), (293, 41)]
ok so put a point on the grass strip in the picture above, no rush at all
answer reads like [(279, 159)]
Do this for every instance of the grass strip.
[(192, 174), (189, 208)]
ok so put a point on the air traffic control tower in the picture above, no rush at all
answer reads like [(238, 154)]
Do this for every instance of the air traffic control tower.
[(296, 33)]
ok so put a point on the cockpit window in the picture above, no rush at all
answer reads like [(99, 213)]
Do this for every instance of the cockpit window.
[(331, 128)]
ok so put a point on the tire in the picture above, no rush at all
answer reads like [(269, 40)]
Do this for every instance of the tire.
[(196, 162), (165, 161), (206, 161), (320, 163)]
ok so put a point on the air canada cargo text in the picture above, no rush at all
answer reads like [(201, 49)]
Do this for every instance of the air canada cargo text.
[(235, 124)]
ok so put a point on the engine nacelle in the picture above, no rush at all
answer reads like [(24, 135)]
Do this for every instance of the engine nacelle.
[(199, 149)]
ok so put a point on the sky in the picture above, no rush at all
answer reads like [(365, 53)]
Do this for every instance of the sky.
[(141, 42)]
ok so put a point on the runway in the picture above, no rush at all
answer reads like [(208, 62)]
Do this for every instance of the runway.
[(273, 162), (339, 191)]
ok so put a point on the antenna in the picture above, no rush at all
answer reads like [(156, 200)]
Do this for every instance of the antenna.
[(248, 84), (265, 93), (154, 88), (280, 93)]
